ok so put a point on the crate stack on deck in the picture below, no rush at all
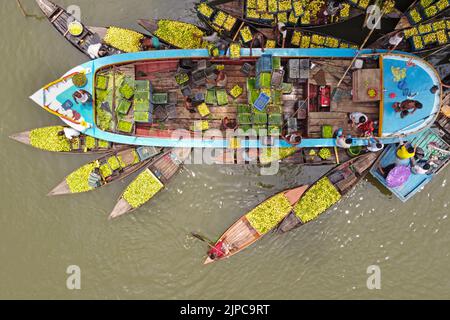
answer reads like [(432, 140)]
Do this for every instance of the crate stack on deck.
[(263, 113)]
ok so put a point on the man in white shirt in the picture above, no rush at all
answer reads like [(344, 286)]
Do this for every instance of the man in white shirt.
[(358, 118), (69, 133)]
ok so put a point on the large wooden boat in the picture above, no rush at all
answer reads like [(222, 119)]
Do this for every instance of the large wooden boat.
[(108, 168), (436, 149), (151, 181), (422, 11), (422, 39), (61, 19), (299, 85), (328, 191), (294, 13), (47, 139), (242, 234)]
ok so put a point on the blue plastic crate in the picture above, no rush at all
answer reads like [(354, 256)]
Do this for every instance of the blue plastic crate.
[(262, 101), (264, 64)]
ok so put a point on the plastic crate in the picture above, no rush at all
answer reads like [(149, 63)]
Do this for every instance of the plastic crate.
[(222, 97), (211, 96), (244, 118), (263, 80), (275, 119), (327, 131), (264, 63), (142, 96), (124, 107), (146, 152), (244, 108), (143, 117), (276, 63), (160, 98), (277, 97), (142, 86), (260, 118), (141, 106), (262, 101)]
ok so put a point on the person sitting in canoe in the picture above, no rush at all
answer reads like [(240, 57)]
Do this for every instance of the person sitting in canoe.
[(421, 167), (396, 39), (82, 96), (407, 107), (96, 51), (219, 250), (405, 152)]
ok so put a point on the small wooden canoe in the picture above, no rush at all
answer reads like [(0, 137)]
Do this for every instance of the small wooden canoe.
[(113, 166), (152, 27), (241, 234), (418, 13), (59, 18), (344, 178), (241, 9), (54, 143), (407, 44), (162, 168)]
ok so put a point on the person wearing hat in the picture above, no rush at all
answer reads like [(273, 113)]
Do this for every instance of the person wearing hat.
[(405, 152)]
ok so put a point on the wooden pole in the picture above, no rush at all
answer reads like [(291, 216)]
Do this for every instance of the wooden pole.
[(357, 54), (25, 14)]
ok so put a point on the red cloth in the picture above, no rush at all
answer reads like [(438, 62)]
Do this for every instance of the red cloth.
[(367, 127), (217, 250)]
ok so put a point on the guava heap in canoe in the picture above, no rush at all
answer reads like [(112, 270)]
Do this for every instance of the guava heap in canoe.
[(317, 200), (180, 34), (269, 214), (49, 140), (142, 189)]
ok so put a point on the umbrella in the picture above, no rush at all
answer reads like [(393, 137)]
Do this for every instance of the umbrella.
[(398, 176)]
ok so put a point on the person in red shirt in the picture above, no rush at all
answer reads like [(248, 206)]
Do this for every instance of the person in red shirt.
[(367, 128), (218, 251)]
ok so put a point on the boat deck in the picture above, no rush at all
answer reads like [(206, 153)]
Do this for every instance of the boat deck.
[(305, 94)]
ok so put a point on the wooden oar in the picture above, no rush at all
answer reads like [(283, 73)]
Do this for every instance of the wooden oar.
[(203, 239)]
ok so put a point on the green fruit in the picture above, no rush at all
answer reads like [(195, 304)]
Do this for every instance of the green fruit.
[(142, 189)]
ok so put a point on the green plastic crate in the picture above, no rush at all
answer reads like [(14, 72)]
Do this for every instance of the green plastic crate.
[(124, 107), (126, 91), (265, 80), (327, 131), (125, 126), (142, 86), (141, 106), (275, 119), (160, 98), (211, 96), (222, 97), (141, 95), (142, 116), (287, 88), (244, 108), (244, 118), (260, 118), (102, 82), (277, 97), (276, 63), (251, 83), (253, 94)]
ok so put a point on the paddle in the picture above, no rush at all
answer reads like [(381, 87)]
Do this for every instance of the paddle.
[(203, 239)]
